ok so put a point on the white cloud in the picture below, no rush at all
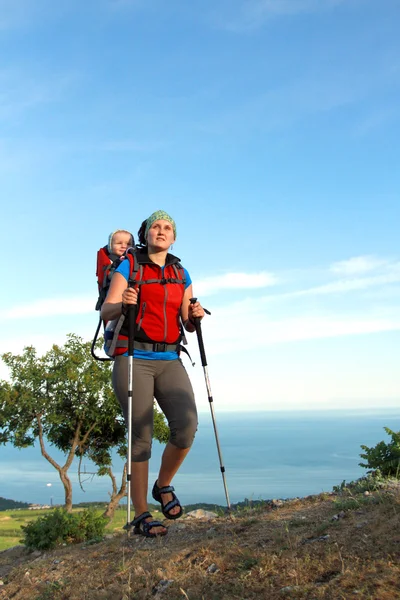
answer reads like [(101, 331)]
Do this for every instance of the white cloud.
[(357, 265), (253, 339), (81, 305), (264, 329), (234, 281), (76, 305), (387, 273), (349, 285)]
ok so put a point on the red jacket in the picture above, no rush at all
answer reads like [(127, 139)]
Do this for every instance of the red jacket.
[(161, 292)]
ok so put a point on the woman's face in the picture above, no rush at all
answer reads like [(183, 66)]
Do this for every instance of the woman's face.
[(161, 235)]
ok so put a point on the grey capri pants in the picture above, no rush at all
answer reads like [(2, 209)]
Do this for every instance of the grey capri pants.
[(168, 382)]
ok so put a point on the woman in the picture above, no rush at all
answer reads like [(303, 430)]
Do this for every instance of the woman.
[(162, 291)]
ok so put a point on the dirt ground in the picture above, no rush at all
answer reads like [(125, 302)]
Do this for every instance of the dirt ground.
[(329, 546)]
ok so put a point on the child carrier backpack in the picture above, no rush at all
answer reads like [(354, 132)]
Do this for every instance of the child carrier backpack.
[(105, 268), (170, 282)]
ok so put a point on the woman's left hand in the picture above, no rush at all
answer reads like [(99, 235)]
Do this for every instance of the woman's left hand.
[(196, 311)]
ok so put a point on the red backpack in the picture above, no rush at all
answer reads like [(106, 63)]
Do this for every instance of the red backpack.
[(105, 268), (156, 330)]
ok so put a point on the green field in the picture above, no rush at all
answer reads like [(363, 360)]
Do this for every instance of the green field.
[(12, 520)]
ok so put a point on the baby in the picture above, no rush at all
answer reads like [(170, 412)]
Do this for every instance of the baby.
[(118, 242)]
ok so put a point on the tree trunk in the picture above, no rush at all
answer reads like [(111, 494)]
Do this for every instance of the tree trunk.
[(65, 480), (62, 471), (116, 496)]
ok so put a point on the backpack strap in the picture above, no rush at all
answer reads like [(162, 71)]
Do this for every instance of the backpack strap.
[(116, 325), (131, 255)]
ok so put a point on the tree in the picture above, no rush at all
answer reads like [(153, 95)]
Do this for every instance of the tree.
[(65, 398), (383, 457)]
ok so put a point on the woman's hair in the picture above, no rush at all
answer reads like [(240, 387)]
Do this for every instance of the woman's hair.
[(141, 237)]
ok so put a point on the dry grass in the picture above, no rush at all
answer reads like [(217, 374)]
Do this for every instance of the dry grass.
[(296, 551)]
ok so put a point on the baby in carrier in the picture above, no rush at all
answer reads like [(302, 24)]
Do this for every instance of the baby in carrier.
[(108, 259)]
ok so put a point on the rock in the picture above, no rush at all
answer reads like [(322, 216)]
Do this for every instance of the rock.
[(162, 585), (1, 582), (340, 515), (200, 513), (27, 577), (366, 493), (212, 568), (361, 524), (277, 503), (392, 484), (36, 553), (321, 538), (177, 526), (288, 589)]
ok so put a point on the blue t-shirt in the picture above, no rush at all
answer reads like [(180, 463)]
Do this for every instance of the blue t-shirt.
[(124, 270)]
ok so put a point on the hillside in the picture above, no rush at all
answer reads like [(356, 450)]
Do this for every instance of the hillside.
[(6, 504), (333, 546)]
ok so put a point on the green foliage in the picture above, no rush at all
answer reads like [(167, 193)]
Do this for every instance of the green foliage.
[(247, 563), (65, 391), (10, 529), (53, 591), (384, 457), (66, 398), (60, 527), (6, 504), (160, 429), (370, 483)]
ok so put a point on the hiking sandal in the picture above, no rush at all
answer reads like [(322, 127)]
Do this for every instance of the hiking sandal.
[(142, 527), (165, 509)]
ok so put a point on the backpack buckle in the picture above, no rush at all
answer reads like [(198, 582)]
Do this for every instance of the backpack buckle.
[(160, 347)]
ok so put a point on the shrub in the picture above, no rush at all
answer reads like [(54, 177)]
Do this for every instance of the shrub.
[(383, 457), (60, 527)]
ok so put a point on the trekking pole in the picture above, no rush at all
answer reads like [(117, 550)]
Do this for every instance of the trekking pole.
[(197, 324), (131, 338)]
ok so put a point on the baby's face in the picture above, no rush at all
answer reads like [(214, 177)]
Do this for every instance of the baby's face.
[(120, 242)]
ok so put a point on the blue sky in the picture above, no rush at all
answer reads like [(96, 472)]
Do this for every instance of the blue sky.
[(269, 129)]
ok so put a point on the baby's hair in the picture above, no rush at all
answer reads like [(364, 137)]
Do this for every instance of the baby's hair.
[(141, 239)]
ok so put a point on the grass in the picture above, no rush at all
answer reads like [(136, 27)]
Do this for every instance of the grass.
[(9, 542), (12, 520)]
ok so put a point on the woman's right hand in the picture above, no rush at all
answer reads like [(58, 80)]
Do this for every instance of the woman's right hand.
[(129, 296)]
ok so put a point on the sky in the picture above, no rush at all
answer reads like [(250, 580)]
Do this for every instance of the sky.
[(269, 130)]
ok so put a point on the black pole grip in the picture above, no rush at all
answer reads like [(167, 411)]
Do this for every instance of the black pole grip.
[(197, 324), (131, 327)]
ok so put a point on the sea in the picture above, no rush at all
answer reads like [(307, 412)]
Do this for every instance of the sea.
[(266, 455)]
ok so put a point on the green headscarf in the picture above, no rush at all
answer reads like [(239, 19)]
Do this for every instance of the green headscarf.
[(156, 216)]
